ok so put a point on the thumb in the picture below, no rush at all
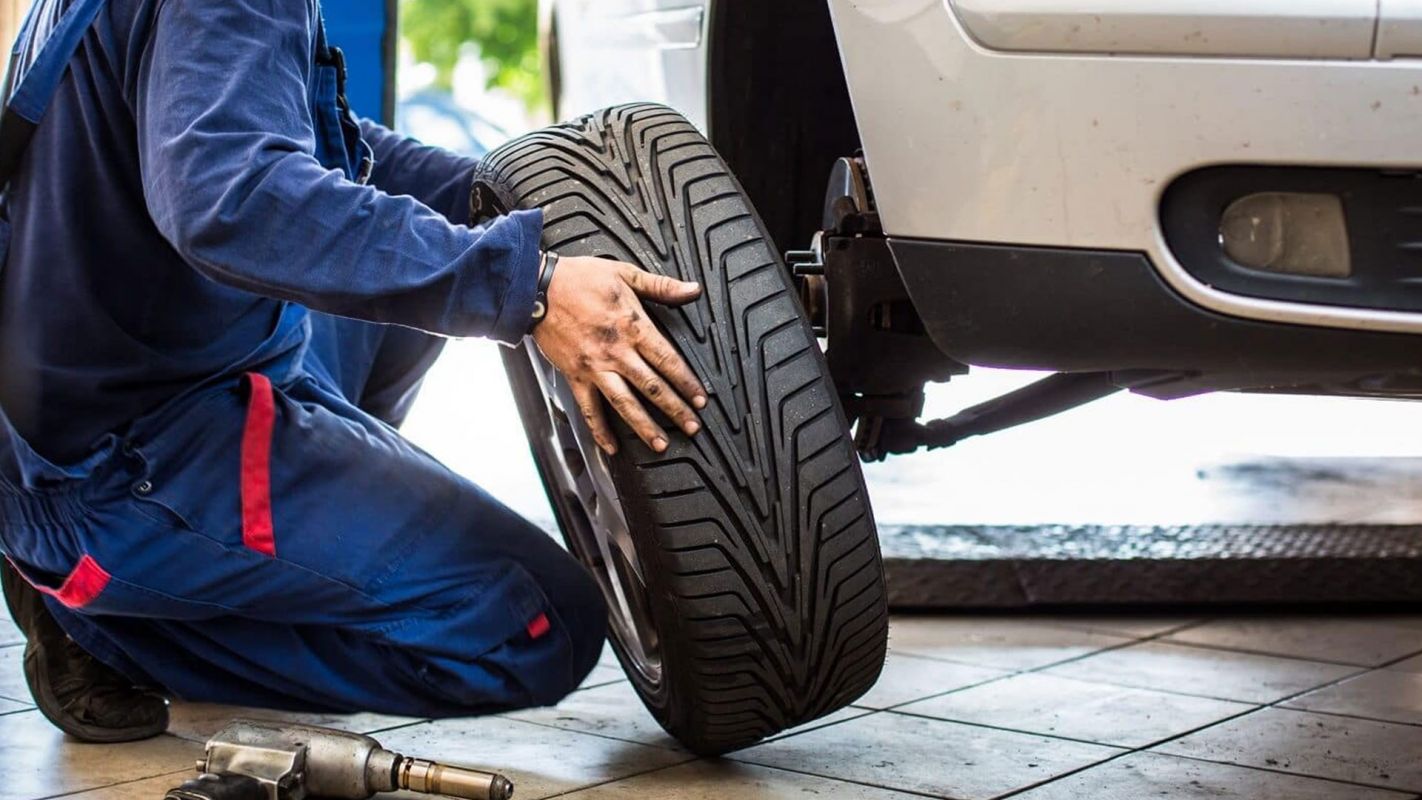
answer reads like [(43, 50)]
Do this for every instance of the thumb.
[(661, 288)]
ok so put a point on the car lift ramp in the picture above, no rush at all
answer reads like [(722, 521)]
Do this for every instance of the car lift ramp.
[(995, 566)]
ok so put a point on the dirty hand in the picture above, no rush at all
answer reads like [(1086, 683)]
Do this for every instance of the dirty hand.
[(597, 334)]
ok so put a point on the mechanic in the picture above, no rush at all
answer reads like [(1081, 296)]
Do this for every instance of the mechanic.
[(220, 295)]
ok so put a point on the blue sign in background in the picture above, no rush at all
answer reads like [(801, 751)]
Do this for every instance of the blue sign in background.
[(363, 29)]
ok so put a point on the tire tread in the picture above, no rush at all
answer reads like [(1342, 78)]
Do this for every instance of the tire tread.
[(770, 599)]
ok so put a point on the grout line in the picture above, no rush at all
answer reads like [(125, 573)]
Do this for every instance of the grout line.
[(1345, 715), (628, 776), (614, 780), (1398, 660), (1342, 716), (670, 748), (839, 780), (995, 679), (400, 726), (810, 727), (1178, 693), (1277, 771), (185, 771), (1254, 707), (588, 686), (1219, 648), (1019, 731), (673, 748), (964, 687), (1278, 704), (1151, 747), (1166, 631), (1041, 668), (769, 767), (1134, 750), (915, 792), (1176, 737)]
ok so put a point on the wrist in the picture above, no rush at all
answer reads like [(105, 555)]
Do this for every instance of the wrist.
[(547, 263)]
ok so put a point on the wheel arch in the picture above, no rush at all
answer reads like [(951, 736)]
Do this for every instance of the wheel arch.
[(778, 107)]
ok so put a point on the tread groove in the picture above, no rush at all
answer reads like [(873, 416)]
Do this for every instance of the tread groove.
[(765, 581)]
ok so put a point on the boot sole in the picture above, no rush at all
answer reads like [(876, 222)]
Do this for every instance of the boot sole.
[(47, 703)]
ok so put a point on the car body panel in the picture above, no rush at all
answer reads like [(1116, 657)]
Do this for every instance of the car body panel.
[(1261, 28), (968, 144), (624, 51), (1399, 28)]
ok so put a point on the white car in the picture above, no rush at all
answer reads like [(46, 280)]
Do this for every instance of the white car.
[(1164, 196), (1193, 195)]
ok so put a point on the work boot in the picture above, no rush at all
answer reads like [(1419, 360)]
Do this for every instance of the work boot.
[(81, 696)]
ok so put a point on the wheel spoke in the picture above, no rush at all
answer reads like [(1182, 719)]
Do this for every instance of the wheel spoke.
[(604, 538)]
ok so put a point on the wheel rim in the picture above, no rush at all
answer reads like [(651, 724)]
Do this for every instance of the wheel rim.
[(594, 523)]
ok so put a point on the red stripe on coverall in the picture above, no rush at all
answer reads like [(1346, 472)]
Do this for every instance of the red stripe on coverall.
[(256, 466), (84, 583)]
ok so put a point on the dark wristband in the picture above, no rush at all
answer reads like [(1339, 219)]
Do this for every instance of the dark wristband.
[(540, 296)]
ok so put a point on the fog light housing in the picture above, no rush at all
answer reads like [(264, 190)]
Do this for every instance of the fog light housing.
[(1294, 233)]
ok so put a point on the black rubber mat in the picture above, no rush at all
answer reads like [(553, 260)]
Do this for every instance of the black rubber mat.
[(1008, 566)]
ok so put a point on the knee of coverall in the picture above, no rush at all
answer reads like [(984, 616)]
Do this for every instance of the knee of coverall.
[(579, 624), (580, 603), (539, 665)]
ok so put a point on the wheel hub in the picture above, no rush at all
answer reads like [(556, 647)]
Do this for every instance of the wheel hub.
[(594, 521)]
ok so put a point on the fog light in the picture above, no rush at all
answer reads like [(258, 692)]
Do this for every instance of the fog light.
[(1294, 233)]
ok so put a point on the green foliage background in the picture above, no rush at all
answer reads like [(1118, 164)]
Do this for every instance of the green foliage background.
[(506, 32)]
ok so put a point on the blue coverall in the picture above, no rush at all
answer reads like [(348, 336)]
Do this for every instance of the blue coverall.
[(208, 329)]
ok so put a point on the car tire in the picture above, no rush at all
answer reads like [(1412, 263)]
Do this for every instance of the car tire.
[(746, 591)]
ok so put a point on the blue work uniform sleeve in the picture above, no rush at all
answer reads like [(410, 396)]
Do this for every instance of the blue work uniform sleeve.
[(227, 147), (434, 176)]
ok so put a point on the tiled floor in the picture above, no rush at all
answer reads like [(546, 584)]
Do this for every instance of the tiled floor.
[(1041, 708)]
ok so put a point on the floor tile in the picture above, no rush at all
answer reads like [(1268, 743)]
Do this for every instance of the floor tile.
[(1223, 674), (12, 675), (37, 760), (1345, 640), (608, 657), (907, 678), (1001, 642), (1132, 625), (1413, 664), (1096, 712), (541, 761), (1150, 775), (929, 756), (199, 721), (1389, 695), (146, 789), (718, 780), (614, 710), (1342, 748), (601, 675), (833, 718), (9, 631)]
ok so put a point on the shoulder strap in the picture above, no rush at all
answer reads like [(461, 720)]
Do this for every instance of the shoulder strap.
[(38, 62)]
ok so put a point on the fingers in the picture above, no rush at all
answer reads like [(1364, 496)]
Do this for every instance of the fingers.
[(619, 395), (590, 407), (652, 387), (664, 358), (661, 288)]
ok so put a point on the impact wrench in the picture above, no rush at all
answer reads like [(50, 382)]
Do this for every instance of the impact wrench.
[(250, 760)]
